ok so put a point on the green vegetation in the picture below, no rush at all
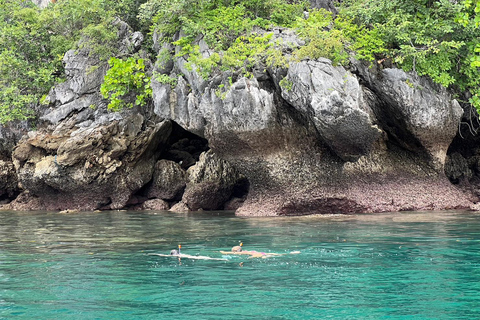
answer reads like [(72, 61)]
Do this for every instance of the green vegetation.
[(33, 42), (228, 27), (439, 39), (435, 38), (126, 76)]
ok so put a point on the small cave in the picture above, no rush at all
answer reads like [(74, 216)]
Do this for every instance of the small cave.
[(8, 197), (463, 158), (184, 148)]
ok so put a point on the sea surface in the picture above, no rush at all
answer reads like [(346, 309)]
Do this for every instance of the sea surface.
[(378, 266)]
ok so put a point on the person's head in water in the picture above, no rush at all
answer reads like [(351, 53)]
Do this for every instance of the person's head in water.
[(237, 248), (176, 252)]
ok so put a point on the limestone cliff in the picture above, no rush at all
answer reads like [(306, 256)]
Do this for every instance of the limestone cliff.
[(335, 140)]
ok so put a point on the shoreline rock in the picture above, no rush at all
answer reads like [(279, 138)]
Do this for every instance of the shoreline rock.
[(334, 140)]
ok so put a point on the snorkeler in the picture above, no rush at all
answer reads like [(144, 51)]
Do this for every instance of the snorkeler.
[(176, 252), (238, 250), (179, 254)]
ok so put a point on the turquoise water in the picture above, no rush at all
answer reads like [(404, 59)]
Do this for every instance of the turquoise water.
[(96, 266)]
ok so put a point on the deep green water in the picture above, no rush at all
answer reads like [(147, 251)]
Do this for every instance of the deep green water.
[(95, 266)]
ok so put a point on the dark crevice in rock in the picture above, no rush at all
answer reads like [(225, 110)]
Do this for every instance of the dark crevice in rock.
[(211, 185), (389, 118), (105, 205), (9, 196), (184, 147), (240, 190), (462, 166)]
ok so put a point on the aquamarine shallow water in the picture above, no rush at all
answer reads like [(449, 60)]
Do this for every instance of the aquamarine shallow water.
[(96, 266)]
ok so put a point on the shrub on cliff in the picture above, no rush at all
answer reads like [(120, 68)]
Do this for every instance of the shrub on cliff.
[(227, 26)]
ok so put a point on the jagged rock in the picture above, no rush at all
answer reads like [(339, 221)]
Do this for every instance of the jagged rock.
[(84, 156), (320, 146), (91, 168), (210, 183), (84, 73), (418, 114), (311, 138), (179, 104), (334, 100), (169, 181)]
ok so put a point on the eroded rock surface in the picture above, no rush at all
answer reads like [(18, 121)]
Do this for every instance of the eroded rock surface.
[(315, 138), (211, 183), (307, 139), (169, 181)]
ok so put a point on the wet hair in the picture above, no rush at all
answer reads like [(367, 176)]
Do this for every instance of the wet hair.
[(174, 252), (237, 249)]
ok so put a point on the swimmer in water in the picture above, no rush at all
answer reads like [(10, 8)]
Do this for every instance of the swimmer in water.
[(175, 252), (238, 250), (179, 255)]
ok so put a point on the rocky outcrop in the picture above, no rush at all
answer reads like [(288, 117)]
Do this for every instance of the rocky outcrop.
[(211, 183), (315, 138), (418, 114), (168, 181), (90, 168), (335, 101), (83, 156), (311, 138)]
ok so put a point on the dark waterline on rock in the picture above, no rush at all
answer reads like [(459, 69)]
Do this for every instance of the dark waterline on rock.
[(417, 265)]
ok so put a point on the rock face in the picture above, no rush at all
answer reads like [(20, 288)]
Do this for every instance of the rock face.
[(335, 101), (84, 157), (168, 181), (90, 168), (419, 115), (311, 138), (315, 138), (211, 183)]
